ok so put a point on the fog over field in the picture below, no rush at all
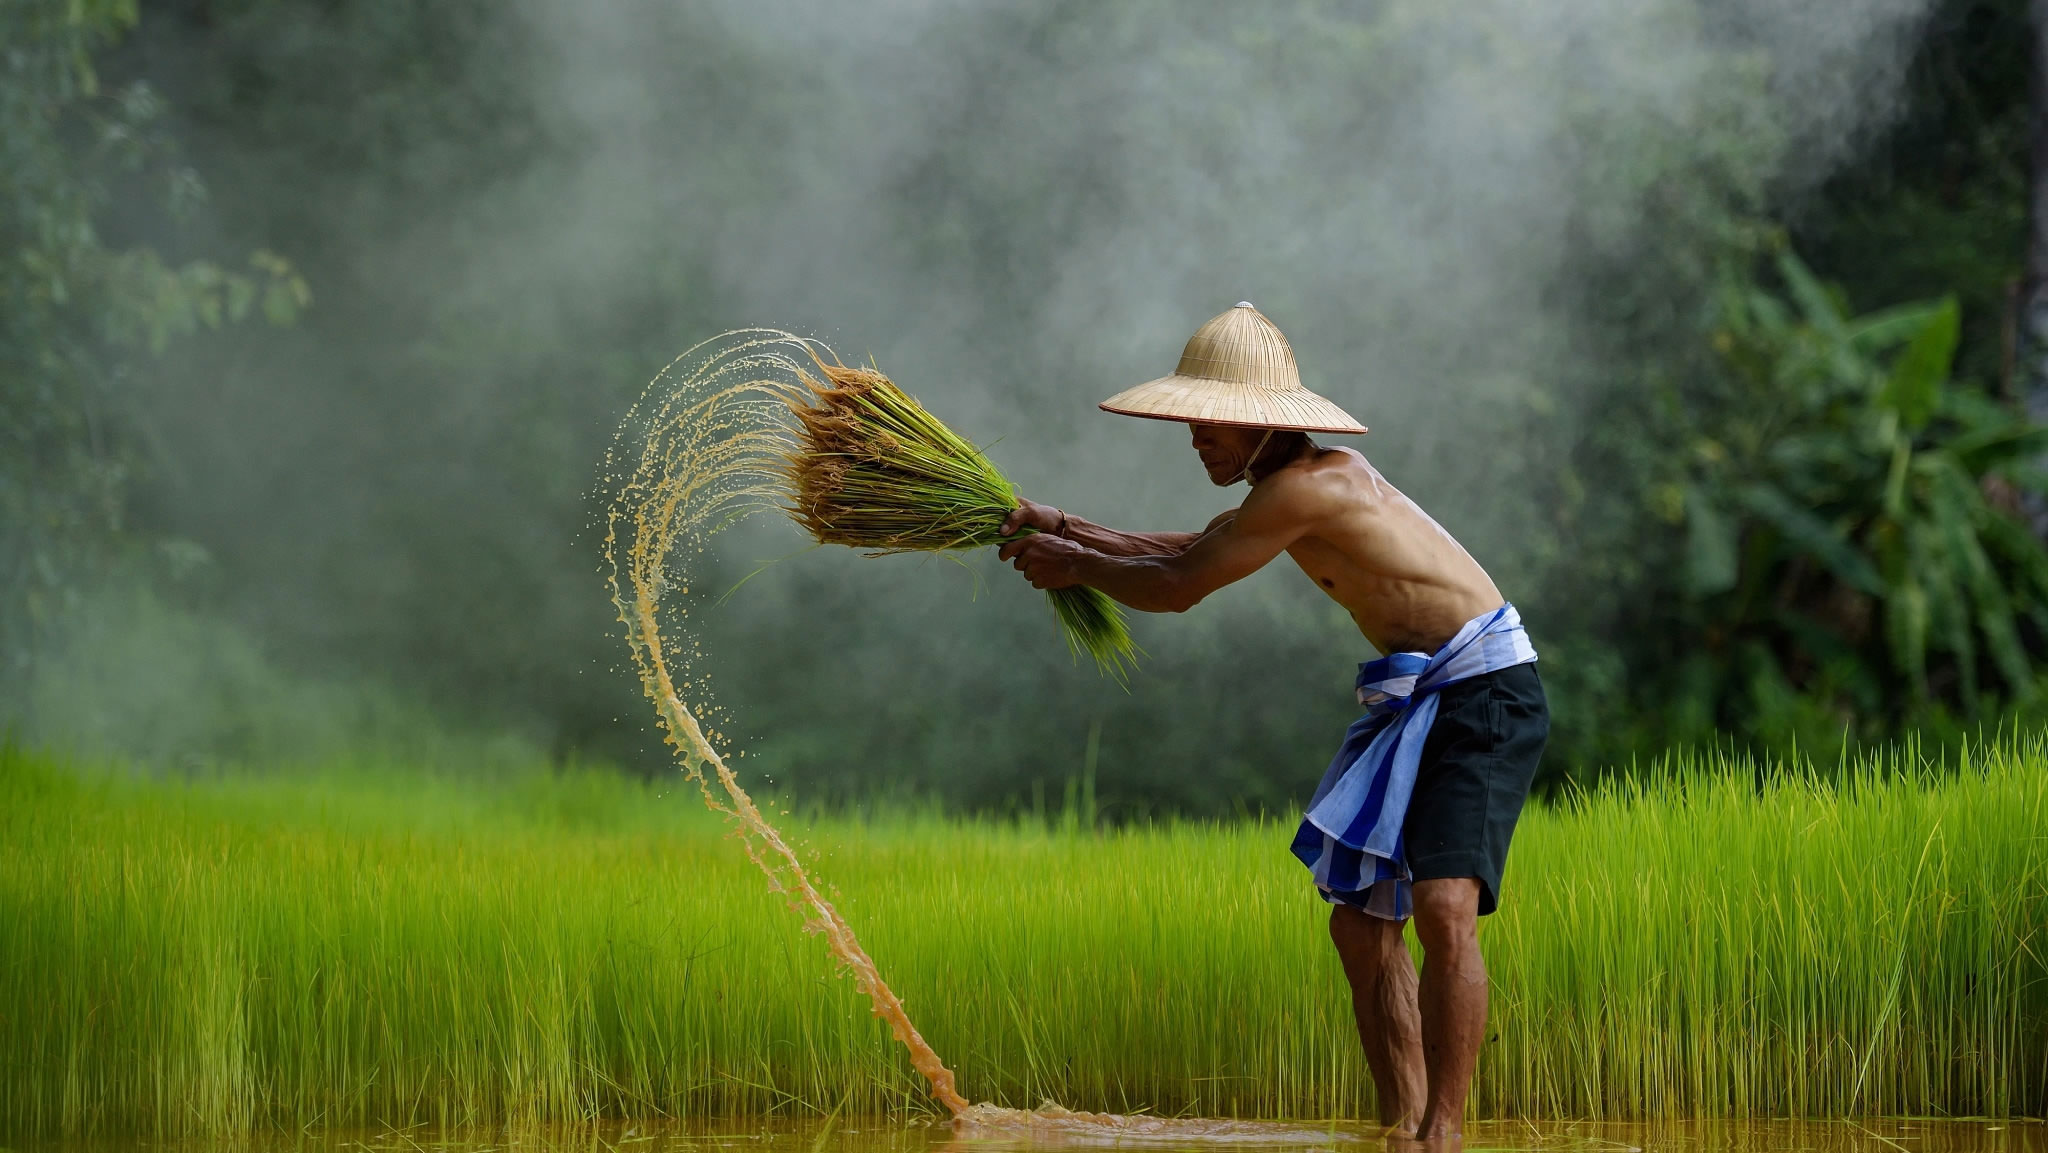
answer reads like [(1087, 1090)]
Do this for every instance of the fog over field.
[(1016, 210)]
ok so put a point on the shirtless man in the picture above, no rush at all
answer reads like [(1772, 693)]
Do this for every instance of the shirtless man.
[(1415, 813)]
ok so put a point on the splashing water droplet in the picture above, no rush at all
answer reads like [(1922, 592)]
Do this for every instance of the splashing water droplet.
[(705, 442), (704, 448)]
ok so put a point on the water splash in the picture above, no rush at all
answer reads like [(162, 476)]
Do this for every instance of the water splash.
[(704, 448), (1051, 1124), (700, 451)]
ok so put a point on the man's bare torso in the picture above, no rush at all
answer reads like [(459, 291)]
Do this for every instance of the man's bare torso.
[(1406, 583)]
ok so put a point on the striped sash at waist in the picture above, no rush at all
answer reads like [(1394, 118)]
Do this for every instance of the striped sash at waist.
[(1350, 837)]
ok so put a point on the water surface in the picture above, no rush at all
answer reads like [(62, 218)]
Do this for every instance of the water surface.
[(879, 1135)]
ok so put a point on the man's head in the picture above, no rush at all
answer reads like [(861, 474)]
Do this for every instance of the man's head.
[(1229, 451), (1238, 375)]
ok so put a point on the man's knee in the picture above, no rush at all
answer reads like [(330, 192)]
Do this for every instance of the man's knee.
[(1447, 913), (1360, 937), (1347, 927)]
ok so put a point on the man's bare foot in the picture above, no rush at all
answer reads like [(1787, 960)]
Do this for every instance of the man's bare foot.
[(1439, 1130), (1432, 1139)]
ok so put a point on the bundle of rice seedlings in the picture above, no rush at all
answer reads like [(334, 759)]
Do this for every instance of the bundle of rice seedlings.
[(874, 470)]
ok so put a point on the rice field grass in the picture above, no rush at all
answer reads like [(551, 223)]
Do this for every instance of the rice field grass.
[(370, 946)]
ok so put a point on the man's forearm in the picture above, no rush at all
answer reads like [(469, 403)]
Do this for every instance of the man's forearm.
[(1150, 584), (1111, 542)]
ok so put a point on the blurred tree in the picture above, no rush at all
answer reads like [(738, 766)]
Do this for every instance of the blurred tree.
[(1937, 203), (1836, 552), (75, 306), (1933, 205), (499, 202), (2031, 336), (394, 487)]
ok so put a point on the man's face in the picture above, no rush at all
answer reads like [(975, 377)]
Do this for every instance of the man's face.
[(1225, 450)]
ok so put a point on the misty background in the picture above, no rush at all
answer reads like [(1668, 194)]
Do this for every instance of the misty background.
[(1487, 228)]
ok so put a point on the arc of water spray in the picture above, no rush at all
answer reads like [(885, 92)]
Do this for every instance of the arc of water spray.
[(700, 451), (705, 447)]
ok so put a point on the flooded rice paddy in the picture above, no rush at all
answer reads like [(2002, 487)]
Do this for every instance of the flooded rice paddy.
[(1866, 1135)]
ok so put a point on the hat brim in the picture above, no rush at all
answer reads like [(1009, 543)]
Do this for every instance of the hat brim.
[(1200, 400)]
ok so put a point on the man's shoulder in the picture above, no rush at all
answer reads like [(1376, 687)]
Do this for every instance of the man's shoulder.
[(1341, 458), (1341, 473), (1324, 483)]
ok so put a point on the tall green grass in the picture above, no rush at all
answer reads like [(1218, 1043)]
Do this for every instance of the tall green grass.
[(384, 948)]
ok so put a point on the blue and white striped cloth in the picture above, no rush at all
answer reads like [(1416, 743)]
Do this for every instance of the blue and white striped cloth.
[(1351, 837)]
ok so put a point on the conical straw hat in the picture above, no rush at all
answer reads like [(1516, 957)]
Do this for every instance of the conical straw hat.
[(1236, 369)]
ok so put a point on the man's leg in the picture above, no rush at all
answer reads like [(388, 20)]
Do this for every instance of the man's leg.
[(1382, 977), (1453, 997)]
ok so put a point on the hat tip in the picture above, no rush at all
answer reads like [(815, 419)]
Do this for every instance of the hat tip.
[(1244, 304)]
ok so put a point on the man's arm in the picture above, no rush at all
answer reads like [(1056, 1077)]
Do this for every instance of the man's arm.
[(1107, 541), (1234, 547)]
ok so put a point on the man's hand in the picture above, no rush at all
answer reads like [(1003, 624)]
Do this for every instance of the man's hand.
[(1046, 561), (1031, 514)]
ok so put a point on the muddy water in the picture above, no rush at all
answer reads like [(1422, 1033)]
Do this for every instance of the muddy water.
[(893, 1136)]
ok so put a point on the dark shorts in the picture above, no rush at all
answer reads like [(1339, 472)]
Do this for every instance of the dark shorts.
[(1476, 767)]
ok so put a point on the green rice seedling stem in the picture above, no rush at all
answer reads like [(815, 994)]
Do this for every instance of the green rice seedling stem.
[(874, 469), (356, 949)]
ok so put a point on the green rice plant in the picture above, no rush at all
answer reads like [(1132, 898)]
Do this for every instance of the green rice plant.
[(376, 946), (874, 470)]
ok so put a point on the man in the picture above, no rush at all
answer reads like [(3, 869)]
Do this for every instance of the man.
[(1414, 816)]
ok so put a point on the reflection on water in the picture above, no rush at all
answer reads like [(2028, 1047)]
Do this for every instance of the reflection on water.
[(1047, 1131)]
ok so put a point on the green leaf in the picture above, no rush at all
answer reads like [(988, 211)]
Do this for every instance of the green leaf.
[(1835, 653), (1879, 332), (1949, 619), (1894, 502), (241, 293), (1960, 510), (1770, 690), (1710, 539), (1983, 449), (1808, 533), (1816, 304), (2019, 550), (1913, 388), (1905, 633)]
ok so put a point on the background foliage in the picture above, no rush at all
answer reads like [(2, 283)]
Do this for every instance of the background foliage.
[(77, 298), (1734, 331)]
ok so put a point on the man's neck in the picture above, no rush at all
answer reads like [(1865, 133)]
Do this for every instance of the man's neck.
[(1277, 456)]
